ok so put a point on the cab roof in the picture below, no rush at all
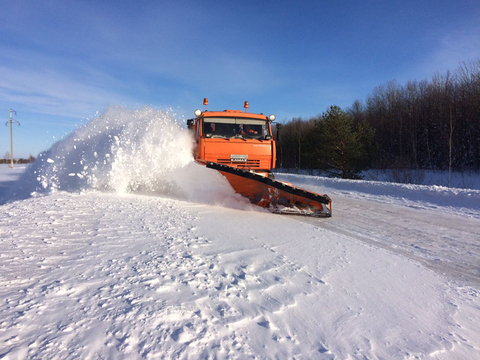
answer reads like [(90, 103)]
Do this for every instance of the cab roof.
[(233, 113)]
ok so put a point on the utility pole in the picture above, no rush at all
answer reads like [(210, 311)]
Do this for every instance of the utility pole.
[(11, 135)]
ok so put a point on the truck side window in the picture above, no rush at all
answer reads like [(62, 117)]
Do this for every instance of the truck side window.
[(198, 130)]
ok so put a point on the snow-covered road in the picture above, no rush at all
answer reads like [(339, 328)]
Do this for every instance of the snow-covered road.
[(191, 271), (105, 276), (445, 242)]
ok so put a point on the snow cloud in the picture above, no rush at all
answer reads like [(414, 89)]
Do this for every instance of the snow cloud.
[(127, 151)]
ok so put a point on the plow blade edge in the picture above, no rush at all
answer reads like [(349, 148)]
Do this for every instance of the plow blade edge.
[(276, 196)]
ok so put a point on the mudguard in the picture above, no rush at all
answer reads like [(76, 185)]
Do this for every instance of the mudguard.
[(276, 196)]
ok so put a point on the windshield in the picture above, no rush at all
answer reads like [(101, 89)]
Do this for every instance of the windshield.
[(236, 128)]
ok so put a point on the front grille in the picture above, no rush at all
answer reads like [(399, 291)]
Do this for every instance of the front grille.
[(240, 165)]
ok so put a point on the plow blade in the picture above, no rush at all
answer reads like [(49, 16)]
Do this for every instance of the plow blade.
[(276, 196)]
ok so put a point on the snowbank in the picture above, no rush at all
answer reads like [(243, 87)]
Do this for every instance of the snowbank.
[(464, 202), (462, 180)]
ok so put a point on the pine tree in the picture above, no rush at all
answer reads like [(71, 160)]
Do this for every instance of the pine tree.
[(341, 147)]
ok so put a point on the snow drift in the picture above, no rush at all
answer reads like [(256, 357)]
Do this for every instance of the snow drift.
[(126, 151)]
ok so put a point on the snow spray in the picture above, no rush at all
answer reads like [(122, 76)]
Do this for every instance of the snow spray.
[(126, 151)]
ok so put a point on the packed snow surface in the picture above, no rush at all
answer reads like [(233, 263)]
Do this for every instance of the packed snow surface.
[(114, 244)]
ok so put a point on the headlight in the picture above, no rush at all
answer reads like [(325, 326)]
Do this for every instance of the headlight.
[(197, 112), (271, 117)]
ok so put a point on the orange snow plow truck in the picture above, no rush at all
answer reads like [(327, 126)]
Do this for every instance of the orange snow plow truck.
[(240, 146)]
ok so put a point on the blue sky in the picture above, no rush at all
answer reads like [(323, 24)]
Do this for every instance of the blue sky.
[(61, 62)]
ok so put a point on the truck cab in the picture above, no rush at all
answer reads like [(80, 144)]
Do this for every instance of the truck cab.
[(234, 138)]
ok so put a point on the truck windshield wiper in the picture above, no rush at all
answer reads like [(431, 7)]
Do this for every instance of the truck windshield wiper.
[(219, 137), (238, 136)]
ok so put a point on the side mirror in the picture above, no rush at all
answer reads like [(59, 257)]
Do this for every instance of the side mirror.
[(190, 124)]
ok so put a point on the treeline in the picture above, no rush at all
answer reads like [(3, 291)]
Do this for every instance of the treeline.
[(421, 125), (31, 159)]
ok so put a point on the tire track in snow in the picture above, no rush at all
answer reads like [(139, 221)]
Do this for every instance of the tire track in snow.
[(445, 243)]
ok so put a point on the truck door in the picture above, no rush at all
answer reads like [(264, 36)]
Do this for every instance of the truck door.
[(197, 144)]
